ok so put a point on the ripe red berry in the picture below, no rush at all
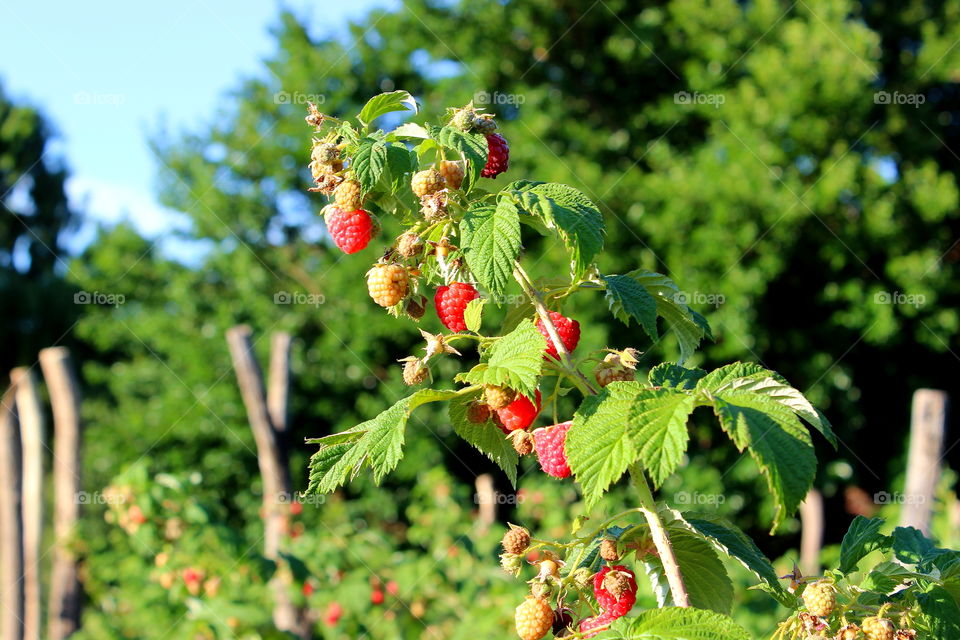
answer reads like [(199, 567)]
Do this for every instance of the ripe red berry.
[(612, 605), (451, 301), (549, 443), (333, 613), (307, 589), (498, 156), (590, 627), (567, 329), (520, 413), (351, 230), (376, 596)]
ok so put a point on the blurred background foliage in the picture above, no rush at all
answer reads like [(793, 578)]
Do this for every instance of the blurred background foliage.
[(746, 149)]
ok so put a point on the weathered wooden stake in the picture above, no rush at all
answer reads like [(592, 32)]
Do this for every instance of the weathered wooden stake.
[(811, 535), (31, 438), (64, 608), (274, 469), (928, 425), (11, 523), (278, 390), (486, 500)]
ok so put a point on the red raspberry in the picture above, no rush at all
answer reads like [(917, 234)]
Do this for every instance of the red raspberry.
[(332, 615), (549, 442), (498, 156), (613, 606), (351, 230), (567, 329), (451, 301), (589, 627), (376, 596), (519, 414)]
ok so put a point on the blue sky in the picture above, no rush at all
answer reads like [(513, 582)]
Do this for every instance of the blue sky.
[(106, 73)]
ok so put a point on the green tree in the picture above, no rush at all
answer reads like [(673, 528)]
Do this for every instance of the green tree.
[(782, 179), (37, 305)]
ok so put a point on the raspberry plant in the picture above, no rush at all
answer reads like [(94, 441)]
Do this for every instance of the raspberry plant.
[(908, 590), (461, 239)]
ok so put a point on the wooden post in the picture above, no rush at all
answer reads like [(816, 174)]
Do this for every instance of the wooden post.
[(274, 472), (811, 535), (278, 391), (64, 608), (31, 438), (486, 500), (928, 420), (11, 523)]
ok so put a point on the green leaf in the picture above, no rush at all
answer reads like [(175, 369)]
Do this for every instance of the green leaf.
[(753, 377), (674, 623), (400, 163), (735, 543), (485, 437), (369, 162), (862, 537), (941, 614), (473, 314), (911, 546), (408, 131), (672, 375), (704, 575), (386, 103), (472, 149), (491, 243), (626, 423), (779, 390), (571, 213), (886, 576), (379, 445), (513, 361), (628, 299), (599, 446), (727, 373), (658, 425), (777, 441), (689, 326)]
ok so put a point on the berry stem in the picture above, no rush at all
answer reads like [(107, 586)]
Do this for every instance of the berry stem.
[(565, 360), (660, 539)]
